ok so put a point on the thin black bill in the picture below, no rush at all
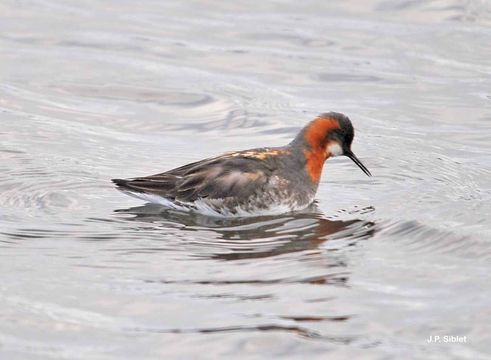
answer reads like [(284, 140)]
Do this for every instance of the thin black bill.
[(359, 163)]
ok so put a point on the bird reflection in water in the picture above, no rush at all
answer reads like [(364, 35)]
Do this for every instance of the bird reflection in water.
[(303, 235), (260, 237)]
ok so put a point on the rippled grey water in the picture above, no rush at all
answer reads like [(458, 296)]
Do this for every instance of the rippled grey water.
[(95, 90)]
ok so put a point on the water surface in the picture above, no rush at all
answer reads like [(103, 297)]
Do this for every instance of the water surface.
[(91, 90)]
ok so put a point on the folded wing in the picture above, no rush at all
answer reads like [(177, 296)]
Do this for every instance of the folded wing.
[(230, 175)]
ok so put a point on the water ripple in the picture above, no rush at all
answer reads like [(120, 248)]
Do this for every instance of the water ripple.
[(254, 238)]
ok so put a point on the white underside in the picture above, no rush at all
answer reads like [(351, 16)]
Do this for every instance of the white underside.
[(202, 207)]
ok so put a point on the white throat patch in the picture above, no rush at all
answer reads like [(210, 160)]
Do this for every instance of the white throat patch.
[(334, 149)]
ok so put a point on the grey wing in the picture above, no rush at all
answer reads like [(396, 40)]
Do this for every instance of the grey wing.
[(216, 178)]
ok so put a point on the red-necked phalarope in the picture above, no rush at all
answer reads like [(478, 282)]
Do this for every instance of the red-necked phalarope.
[(264, 181)]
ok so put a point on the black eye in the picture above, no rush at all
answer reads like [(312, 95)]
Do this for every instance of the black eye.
[(335, 135), (349, 139)]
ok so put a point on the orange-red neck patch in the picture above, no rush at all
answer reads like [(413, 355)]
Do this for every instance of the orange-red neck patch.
[(316, 136)]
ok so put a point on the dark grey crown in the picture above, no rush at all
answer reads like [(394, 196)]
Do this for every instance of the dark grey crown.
[(345, 133)]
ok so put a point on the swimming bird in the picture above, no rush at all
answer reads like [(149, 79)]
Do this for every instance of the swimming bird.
[(262, 181)]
